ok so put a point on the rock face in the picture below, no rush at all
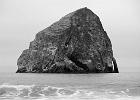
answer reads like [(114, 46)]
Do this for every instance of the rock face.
[(77, 43)]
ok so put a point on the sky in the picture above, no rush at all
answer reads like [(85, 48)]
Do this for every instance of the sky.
[(20, 20)]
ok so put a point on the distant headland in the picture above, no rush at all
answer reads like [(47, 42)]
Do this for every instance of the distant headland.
[(77, 43)]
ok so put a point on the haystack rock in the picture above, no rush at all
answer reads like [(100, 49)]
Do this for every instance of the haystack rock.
[(77, 43)]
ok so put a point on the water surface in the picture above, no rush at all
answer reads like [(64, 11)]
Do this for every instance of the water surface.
[(106, 86)]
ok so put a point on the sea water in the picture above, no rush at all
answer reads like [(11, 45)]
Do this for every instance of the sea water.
[(105, 86)]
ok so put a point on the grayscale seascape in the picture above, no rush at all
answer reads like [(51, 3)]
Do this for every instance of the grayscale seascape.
[(69, 50)]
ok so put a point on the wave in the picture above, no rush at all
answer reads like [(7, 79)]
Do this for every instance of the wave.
[(36, 92)]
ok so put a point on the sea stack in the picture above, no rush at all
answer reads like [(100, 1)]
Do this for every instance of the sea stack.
[(77, 43)]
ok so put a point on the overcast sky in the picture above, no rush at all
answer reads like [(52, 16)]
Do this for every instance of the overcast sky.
[(20, 20)]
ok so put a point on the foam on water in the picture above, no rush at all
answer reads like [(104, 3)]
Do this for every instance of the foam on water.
[(36, 92)]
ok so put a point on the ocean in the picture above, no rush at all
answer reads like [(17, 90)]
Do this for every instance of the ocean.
[(101, 86)]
